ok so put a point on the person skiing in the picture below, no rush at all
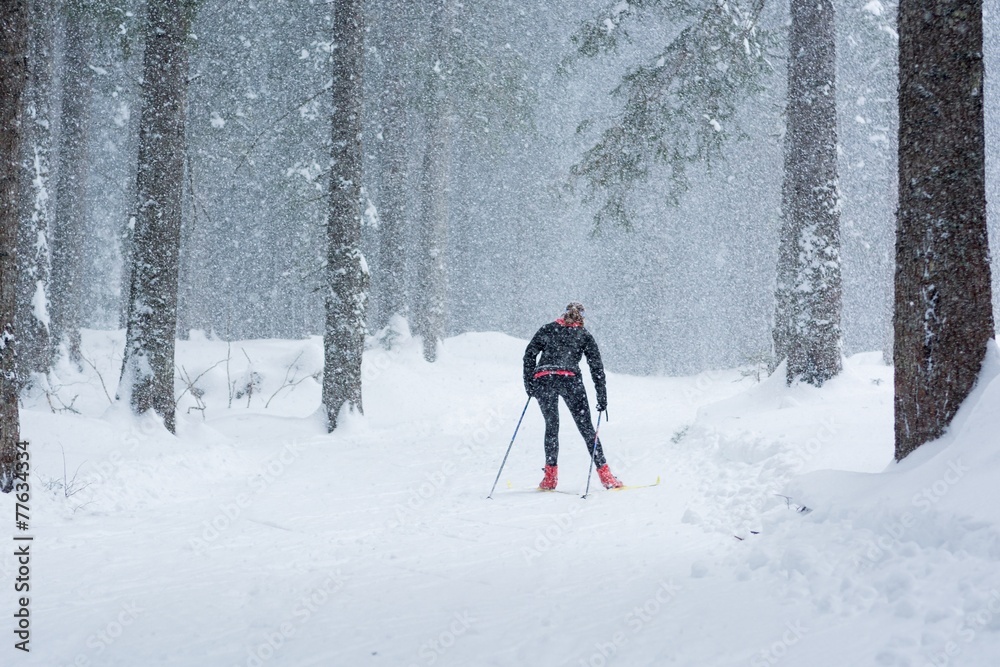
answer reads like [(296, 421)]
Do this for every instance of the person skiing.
[(562, 344)]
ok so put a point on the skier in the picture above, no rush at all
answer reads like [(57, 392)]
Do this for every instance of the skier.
[(562, 343)]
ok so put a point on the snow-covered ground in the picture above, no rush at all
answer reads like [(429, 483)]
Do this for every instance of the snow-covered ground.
[(253, 538)]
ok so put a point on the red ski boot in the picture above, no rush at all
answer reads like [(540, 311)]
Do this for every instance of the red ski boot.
[(607, 479), (548, 483)]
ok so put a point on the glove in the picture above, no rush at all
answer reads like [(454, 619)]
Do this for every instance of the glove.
[(602, 403), (529, 388)]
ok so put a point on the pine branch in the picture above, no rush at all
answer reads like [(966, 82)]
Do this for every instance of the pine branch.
[(677, 108)]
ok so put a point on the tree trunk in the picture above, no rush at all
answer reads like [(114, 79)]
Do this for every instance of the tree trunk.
[(434, 187), (347, 272), (69, 233), (13, 77), (392, 276), (944, 316), (148, 369), (808, 293), (127, 251), (34, 259), (187, 275)]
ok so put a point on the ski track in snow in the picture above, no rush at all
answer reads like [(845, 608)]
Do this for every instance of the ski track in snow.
[(254, 538)]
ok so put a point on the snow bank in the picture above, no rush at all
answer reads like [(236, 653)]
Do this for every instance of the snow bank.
[(900, 558)]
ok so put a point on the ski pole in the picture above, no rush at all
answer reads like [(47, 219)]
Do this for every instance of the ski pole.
[(593, 455), (502, 464)]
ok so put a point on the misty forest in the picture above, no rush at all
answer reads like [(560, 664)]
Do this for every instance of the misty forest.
[(267, 274)]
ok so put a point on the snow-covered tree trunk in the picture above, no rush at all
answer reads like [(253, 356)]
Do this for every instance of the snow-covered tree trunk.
[(69, 232), (34, 258), (808, 291), (346, 270), (434, 191), (148, 370), (944, 315), (13, 76), (392, 246)]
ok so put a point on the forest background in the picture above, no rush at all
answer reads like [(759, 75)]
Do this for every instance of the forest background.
[(689, 286)]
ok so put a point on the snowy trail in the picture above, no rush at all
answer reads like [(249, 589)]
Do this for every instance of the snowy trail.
[(414, 546), (254, 538)]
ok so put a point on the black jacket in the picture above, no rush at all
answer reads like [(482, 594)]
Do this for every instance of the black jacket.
[(562, 347)]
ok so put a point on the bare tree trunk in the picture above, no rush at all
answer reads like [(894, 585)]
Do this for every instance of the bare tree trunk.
[(13, 77), (34, 258), (434, 186), (69, 233), (148, 369), (347, 272), (944, 315), (808, 294)]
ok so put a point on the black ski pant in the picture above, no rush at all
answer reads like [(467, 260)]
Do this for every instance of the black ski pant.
[(547, 390)]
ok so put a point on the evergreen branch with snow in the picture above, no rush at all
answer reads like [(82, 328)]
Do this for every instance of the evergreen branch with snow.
[(679, 108)]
